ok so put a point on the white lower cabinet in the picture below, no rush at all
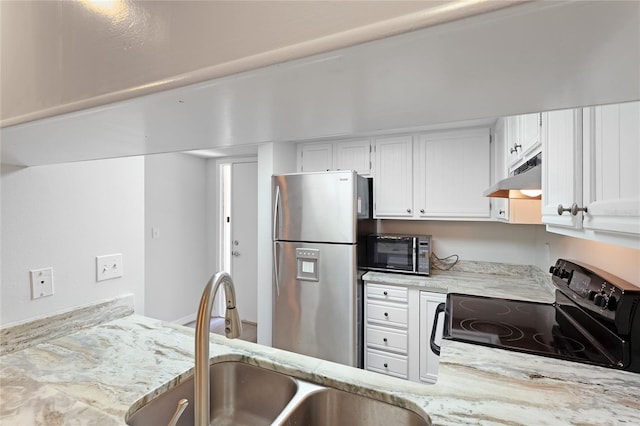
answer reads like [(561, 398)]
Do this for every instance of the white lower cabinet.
[(395, 325), (430, 317)]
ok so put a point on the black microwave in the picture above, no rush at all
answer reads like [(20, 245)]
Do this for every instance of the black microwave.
[(409, 254)]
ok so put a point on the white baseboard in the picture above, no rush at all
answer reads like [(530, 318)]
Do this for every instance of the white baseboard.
[(185, 320)]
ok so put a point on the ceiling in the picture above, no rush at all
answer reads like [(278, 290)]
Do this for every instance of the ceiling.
[(472, 69)]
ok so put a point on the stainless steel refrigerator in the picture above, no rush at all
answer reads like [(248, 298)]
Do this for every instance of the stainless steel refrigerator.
[(317, 293)]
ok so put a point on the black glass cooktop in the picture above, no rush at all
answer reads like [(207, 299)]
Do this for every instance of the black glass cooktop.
[(538, 328)]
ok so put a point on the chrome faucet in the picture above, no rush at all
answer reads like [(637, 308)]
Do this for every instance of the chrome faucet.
[(232, 329)]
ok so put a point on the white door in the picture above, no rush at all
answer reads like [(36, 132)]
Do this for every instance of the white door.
[(244, 235)]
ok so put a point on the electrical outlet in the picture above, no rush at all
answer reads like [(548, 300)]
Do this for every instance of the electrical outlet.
[(41, 283), (108, 267)]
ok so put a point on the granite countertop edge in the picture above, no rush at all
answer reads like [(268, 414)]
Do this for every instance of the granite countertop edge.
[(122, 363)]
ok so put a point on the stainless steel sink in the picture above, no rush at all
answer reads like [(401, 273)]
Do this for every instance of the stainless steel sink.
[(241, 394), (333, 407)]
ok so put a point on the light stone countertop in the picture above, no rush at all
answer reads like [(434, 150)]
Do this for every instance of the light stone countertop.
[(522, 282), (99, 373)]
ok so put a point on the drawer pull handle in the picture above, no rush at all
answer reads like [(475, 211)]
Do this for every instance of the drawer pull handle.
[(385, 293), (384, 340), (386, 314), (386, 365)]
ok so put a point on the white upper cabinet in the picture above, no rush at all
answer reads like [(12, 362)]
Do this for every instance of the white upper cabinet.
[(337, 155), (452, 169), (612, 175), (353, 155), (393, 181), (523, 137), (562, 167), (436, 175), (591, 181), (315, 157)]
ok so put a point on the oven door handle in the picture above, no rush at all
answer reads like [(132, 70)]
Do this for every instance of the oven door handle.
[(434, 347)]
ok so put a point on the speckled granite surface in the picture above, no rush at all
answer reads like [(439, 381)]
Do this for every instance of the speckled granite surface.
[(522, 282), (99, 374)]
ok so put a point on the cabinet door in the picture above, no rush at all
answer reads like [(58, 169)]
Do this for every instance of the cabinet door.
[(315, 157), (353, 155), (429, 361), (453, 169), (562, 167), (499, 169), (393, 182), (513, 148), (612, 175), (530, 134)]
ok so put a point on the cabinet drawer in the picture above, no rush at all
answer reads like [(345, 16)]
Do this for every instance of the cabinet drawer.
[(393, 365), (387, 314), (390, 293), (387, 339)]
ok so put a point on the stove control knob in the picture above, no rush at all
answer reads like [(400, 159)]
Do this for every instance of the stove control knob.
[(612, 304), (592, 294), (564, 274), (599, 300), (553, 270)]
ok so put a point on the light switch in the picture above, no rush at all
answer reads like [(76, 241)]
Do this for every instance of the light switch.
[(109, 267)]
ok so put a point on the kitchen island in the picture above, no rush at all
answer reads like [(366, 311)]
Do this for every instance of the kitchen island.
[(101, 373)]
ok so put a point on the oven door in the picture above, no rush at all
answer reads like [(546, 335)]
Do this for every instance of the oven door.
[(391, 253)]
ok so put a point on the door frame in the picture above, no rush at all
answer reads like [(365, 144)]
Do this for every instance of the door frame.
[(218, 235)]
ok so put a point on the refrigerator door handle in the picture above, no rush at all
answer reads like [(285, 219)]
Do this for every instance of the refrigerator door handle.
[(276, 206), (275, 267)]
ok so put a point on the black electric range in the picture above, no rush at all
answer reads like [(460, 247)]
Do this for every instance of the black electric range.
[(595, 319)]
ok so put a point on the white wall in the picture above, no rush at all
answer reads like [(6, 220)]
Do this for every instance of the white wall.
[(62, 216), (180, 261), (621, 261), (272, 159), (482, 241)]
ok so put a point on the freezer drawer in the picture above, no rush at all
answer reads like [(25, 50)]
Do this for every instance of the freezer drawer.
[(315, 301)]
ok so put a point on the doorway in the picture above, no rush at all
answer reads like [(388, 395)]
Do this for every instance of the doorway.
[(238, 230)]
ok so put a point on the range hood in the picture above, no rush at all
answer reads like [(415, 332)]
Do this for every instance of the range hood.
[(525, 183)]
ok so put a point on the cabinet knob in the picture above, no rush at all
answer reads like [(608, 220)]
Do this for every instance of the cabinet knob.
[(386, 365), (574, 209), (408, 210), (515, 148), (384, 292), (421, 210), (386, 314), (501, 212), (384, 340)]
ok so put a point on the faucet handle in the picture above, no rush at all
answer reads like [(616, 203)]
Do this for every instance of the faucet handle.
[(182, 405)]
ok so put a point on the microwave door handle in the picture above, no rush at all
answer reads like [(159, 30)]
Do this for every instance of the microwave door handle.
[(415, 255), (434, 347)]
